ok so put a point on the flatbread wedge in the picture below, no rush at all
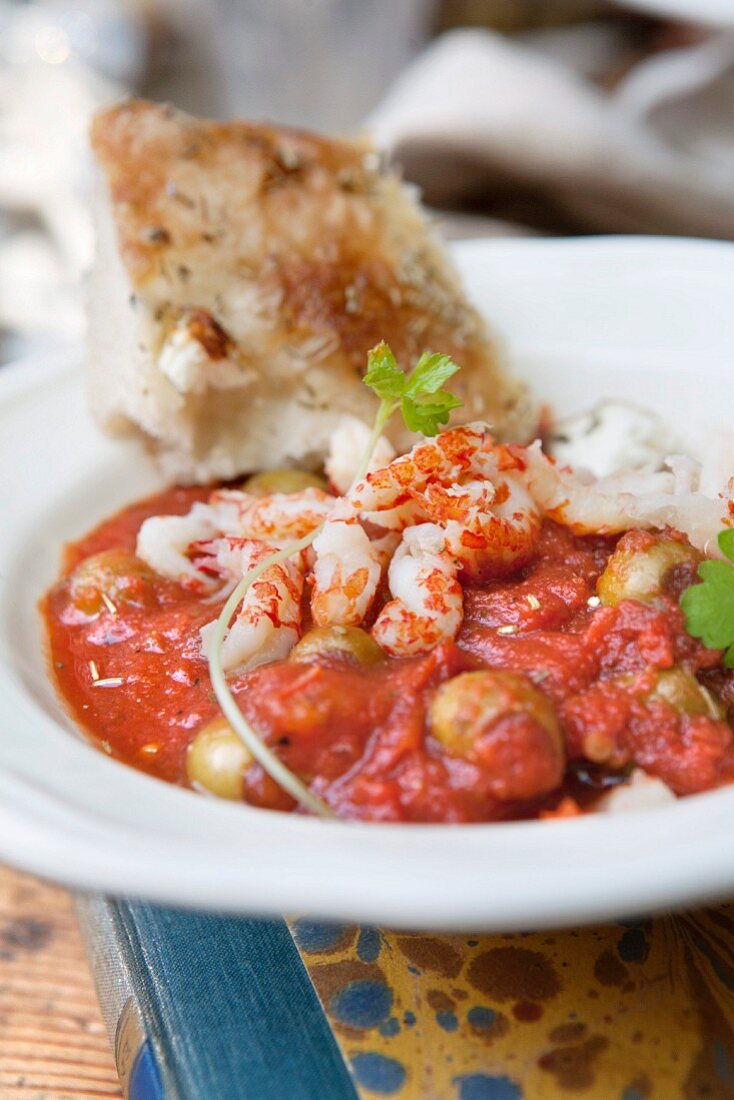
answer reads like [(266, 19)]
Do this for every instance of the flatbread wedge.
[(243, 272)]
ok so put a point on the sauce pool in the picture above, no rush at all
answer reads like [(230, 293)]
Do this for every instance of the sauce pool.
[(130, 670)]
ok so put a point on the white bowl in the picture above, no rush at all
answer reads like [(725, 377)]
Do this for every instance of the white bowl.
[(650, 319)]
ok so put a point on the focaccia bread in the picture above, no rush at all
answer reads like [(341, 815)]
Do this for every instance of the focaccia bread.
[(243, 272)]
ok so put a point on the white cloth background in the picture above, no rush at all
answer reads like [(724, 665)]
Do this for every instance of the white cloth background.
[(655, 155)]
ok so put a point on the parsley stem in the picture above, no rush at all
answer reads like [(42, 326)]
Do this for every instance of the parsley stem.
[(261, 752), (385, 411)]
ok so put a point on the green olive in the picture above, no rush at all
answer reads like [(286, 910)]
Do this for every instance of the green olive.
[(112, 577), (217, 760), (683, 692), (350, 642), (639, 574), (283, 481), (468, 706)]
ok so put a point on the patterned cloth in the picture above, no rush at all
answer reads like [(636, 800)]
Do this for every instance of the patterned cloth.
[(630, 1011)]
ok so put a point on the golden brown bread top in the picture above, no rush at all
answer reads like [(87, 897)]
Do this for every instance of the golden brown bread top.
[(331, 241), (151, 152), (243, 273)]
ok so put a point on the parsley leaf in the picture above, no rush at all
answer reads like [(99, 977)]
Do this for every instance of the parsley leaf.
[(726, 543), (709, 606), (420, 396), (384, 376), (427, 416), (429, 374)]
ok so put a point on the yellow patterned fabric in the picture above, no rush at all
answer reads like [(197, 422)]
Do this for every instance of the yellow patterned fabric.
[(639, 1010)]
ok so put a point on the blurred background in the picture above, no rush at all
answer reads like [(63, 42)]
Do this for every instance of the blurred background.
[(512, 116)]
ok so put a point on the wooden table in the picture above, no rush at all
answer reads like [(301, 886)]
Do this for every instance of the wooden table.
[(53, 1043)]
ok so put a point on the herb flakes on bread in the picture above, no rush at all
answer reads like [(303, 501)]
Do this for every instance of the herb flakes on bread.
[(243, 272)]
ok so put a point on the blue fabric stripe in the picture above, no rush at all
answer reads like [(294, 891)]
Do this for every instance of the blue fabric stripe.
[(145, 1079), (230, 1008)]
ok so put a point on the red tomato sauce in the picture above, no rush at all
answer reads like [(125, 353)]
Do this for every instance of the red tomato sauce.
[(132, 675)]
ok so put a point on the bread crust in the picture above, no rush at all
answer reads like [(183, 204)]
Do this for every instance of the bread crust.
[(255, 266)]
